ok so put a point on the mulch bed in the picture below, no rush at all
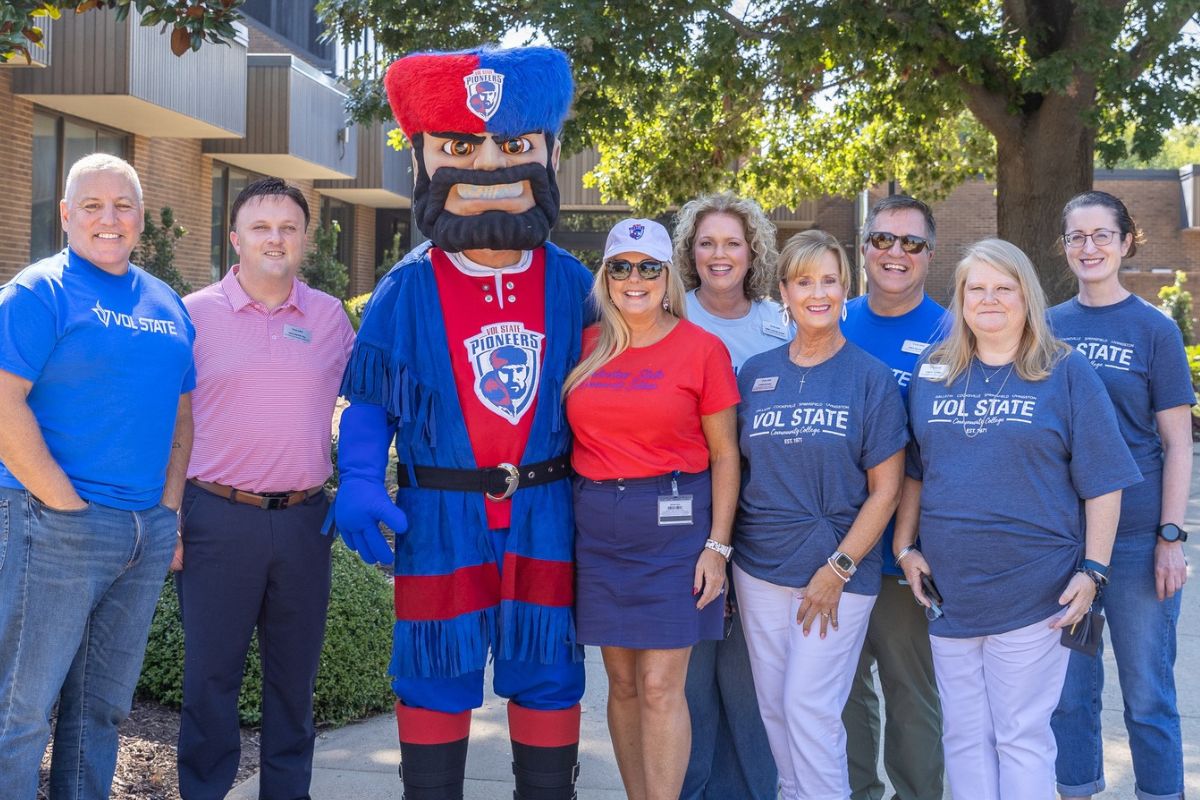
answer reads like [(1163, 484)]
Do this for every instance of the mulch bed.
[(146, 758)]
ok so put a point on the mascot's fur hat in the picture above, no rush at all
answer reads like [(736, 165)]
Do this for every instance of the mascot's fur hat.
[(482, 90)]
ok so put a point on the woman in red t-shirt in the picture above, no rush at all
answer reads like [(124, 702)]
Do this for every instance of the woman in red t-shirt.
[(653, 409)]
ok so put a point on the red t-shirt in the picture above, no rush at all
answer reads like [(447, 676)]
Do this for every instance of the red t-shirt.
[(639, 415), (495, 327)]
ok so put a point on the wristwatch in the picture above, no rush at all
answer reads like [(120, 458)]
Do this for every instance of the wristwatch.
[(723, 550), (1170, 532), (843, 562)]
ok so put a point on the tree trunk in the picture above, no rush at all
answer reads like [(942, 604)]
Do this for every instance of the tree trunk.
[(1040, 165)]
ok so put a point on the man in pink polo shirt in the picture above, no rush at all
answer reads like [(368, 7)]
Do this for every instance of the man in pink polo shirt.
[(269, 355)]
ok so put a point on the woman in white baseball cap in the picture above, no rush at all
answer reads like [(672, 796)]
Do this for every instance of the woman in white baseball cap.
[(652, 406)]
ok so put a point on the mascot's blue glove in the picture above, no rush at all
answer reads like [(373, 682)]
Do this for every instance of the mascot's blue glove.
[(362, 499)]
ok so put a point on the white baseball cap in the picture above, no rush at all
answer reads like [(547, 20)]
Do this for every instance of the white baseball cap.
[(639, 236)]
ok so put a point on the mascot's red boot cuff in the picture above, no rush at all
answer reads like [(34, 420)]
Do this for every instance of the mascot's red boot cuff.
[(433, 752), (545, 752)]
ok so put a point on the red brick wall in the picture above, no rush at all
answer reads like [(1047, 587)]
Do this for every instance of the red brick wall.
[(175, 173), (362, 251), (16, 178)]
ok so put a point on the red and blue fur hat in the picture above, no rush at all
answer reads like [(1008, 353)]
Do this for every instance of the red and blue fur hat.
[(482, 90)]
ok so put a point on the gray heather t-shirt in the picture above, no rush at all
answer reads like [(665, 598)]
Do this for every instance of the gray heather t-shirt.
[(1005, 467), (1138, 352), (762, 328), (808, 437)]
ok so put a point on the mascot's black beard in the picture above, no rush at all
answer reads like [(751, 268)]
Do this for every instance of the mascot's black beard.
[(491, 230)]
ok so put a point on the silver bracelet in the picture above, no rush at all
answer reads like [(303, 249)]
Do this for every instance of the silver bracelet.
[(837, 570), (905, 551)]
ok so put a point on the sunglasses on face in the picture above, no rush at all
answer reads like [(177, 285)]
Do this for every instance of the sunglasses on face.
[(882, 240), (620, 269)]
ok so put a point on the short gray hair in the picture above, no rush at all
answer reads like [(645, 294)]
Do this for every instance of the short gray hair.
[(102, 162), (902, 202)]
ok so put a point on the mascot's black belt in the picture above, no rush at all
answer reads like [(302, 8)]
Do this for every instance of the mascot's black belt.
[(498, 483)]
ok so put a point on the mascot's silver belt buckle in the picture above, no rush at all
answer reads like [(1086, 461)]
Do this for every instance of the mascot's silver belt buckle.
[(511, 482)]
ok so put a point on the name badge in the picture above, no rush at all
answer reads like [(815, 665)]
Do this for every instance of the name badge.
[(934, 372), (765, 384), (675, 509), (911, 346), (297, 333), (775, 329)]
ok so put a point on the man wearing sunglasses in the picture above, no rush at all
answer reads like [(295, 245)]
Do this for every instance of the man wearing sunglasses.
[(895, 321), (460, 360)]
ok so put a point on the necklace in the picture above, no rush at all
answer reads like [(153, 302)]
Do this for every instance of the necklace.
[(804, 377), (962, 411)]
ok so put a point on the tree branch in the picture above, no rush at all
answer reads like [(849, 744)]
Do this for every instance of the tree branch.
[(739, 24), (1146, 51)]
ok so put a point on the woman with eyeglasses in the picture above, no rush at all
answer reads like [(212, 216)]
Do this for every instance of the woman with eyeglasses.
[(725, 253), (652, 409), (1015, 475), (1138, 354), (822, 433)]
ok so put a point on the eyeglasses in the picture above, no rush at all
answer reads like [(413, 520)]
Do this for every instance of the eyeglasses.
[(882, 240), (1099, 238), (620, 269)]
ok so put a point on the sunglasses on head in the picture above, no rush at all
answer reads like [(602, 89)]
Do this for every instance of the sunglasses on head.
[(882, 240), (620, 269)]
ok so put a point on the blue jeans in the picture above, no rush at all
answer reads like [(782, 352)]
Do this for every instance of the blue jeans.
[(730, 756), (1142, 631), (77, 593)]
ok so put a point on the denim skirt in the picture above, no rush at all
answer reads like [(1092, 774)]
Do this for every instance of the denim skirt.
[(634, 577)]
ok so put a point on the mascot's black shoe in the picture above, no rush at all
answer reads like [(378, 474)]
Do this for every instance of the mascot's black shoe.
[(545, 752), (433, 753)]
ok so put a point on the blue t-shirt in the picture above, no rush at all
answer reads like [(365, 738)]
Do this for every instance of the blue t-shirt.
[(764, 327), (898, 342), (1138, 352), (109, 356), (808, 437), (1006, 466)]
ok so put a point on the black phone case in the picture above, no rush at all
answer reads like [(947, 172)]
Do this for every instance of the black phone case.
[(1085, 635)]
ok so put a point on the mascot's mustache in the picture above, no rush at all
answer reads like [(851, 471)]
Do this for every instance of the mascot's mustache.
[(445, 179)]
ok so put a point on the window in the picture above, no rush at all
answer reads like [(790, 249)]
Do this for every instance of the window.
[(227, 182), (297, 22), (58, 142), (343, 214)]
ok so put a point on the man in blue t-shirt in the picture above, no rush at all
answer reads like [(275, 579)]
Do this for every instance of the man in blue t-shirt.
[(895, 321), (95, 433)]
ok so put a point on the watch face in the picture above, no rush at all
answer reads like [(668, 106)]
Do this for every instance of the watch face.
[(844, 562), (1171, 532)]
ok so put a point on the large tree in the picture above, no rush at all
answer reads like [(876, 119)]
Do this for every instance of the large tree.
[(191, 22), (788, 99)]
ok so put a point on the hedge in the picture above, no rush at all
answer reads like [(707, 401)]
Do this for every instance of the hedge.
[(352, 681)]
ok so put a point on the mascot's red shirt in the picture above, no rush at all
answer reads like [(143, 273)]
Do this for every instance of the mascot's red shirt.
[(495, 326)]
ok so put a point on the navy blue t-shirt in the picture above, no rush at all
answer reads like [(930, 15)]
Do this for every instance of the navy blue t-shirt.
[(1005, 467), (898, 342), (109, 356), (808, 437), (1138, 352)]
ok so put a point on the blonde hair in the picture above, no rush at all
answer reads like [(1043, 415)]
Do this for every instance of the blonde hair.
[(757, 229), (614, 331), (801, 255), (1038, 350)]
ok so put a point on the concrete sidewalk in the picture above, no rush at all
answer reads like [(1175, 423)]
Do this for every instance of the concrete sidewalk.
[(358, 762)]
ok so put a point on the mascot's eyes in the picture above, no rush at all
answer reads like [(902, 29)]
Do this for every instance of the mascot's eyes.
[(456, 147), (514, 147)]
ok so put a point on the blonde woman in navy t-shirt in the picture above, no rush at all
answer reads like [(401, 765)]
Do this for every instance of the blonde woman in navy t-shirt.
[(651, 407), (1014, 482), (1138, 354)]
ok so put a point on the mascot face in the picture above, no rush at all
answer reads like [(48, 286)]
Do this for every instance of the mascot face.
[(482, 124)]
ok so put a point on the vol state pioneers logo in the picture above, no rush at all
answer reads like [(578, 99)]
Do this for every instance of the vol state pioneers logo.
[(484, 90), (507, 360)]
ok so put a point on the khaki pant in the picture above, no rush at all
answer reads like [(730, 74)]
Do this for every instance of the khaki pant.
[(898, 641)]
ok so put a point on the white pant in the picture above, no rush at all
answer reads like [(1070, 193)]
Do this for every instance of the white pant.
[(998, 693), (802, 683)]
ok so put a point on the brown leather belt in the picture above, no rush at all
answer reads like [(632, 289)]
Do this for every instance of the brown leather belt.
[(268, 501)]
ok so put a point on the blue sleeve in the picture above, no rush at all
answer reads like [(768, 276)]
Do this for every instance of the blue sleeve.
[(885, 428), (368, 377), (28, 332), (1100, 459), (1170, 374), (913, 468)]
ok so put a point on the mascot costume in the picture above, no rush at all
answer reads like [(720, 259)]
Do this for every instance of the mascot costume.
[(460, 360)]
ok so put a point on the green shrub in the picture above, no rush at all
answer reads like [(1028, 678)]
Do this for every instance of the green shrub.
[(352, 680), (155, 251), (1177, 304), (321, 269), (354, 308)]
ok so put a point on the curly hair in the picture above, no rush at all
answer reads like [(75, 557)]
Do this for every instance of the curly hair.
[(759, 232)]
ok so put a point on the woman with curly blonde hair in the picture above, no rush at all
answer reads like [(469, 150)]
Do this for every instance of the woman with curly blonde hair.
[(726, 255)]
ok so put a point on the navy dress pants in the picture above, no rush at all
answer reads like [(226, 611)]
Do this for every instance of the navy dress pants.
[(247, 568)]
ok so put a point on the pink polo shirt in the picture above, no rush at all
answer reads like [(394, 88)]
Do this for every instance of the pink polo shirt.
[(266, 382)]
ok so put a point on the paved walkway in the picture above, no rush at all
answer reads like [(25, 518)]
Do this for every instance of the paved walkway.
[(358, 762)]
